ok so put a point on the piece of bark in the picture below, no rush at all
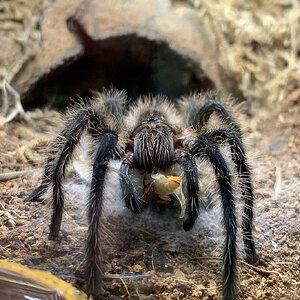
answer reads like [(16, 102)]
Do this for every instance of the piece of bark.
[(59, 46), (140, 46), (179, 27)]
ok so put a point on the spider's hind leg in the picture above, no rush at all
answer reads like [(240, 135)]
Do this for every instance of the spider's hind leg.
[(205, 143), (93, 272), (35, 195)]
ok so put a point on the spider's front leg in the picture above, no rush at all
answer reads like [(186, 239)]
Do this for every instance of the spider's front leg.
[(104, 153), (204, 147), (191, 187), (132, 199)]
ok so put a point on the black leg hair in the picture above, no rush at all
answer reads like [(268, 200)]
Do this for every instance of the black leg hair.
[(36, 195), (191, 182), (101, 120), (73, 129), (72, 134), (129, 194), (197, 118), (55, 169), (205, 147), (104, 153), (239, 159)]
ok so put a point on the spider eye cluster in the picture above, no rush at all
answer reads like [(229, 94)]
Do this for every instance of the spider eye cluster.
[(152, 119), (152, 115)]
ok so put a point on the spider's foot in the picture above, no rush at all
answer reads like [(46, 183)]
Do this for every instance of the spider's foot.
[(53, 234), (35, 196), (94, 284), (252, 259), (229, 293), (55, 224)]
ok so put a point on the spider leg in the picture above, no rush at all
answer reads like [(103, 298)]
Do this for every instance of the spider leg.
[(204, 146), (73, 129), (72, 134), (241, 165), (197, 118), (191, 179), (129, 193), (104, 153), (102, 121), (63, 147), (35, 195)]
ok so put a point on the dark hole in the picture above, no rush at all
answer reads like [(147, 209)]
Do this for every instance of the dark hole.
[(138, 65)]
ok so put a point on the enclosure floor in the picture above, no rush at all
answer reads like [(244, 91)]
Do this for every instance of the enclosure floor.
[(173, 268)]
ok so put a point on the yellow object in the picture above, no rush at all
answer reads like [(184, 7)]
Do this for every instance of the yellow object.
[(165, 186), (20, 282)]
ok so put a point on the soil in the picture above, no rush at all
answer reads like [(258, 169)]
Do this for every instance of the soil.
[(173, 265)]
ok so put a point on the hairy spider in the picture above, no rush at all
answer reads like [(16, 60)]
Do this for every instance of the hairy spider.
[(154, 137)]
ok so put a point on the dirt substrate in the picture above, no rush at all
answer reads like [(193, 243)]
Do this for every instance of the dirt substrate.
[(173, 264)]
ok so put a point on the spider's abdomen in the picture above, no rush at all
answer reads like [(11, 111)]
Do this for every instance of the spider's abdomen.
[(153, 147)]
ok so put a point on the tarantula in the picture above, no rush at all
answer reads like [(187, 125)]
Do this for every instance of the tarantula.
[(153, 136)]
